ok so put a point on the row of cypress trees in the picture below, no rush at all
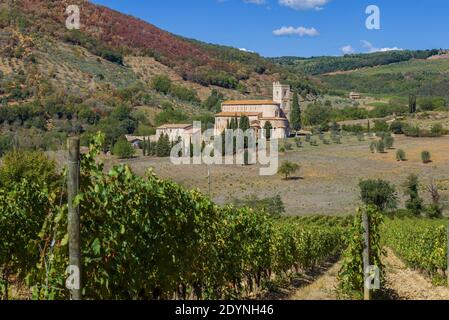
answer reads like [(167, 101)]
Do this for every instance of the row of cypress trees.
[(160, 148)]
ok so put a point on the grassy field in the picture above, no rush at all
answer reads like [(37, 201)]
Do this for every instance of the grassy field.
[(327, 182)]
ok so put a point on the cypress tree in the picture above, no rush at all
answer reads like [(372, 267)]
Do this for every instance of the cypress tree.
[(295, 117), (412, 103), (163, 146), (244, 123), (267, 127), (234, 123), (231, 124)]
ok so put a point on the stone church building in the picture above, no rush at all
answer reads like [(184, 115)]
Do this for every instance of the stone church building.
[(259, 112)]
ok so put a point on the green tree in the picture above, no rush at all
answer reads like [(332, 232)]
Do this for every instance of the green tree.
[(317, 115), (414, 204), (412, 103), (163, 146), (295, 116), (288, 168), (244, 123), (213, 102), (379, 193), (268, 127), (123, 149)]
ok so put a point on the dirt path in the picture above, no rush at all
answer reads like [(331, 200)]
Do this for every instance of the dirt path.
[(409, 284), (322, 288)]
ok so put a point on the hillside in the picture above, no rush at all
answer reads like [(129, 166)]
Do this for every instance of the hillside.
[(428, 77), (323, 65), (118, 74), (392, 73), (111, 34)]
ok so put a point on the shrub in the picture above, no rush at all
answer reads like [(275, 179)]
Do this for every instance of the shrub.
[(314, 142), (437, 130), (426, 157), (397, 127), (184, 94), (400, 155), (373, 146), (18, 165), (380, 126), (380, 146), (161, 83), (411, 131), (171, 116), (378, 193), (308, 137), (388, 141), (337, 139), (360, 137), (6, 142), (288, 168), (288, 146), (356, 128), (123, 149), (433, 211)]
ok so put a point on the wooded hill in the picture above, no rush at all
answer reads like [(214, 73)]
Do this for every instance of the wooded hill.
[(112, 35), (322, 65)]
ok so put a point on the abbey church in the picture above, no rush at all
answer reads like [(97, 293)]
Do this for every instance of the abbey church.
[(260, 112)]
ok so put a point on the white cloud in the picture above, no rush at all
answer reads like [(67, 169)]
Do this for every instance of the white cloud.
[(300, 31), (246, 50), (371, 49), (304, 4), (258, 2), (347, 49)]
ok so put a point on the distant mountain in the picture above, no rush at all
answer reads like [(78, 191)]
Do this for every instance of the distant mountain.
[(322, 65)]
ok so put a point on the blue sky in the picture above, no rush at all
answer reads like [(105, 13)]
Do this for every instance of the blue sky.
[(311, 27)]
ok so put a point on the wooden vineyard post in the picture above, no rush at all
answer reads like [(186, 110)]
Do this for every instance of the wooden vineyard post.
[(73, 176), (447, 271), (366, 255), (208, 179)]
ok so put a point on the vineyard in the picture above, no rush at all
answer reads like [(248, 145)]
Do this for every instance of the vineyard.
[(147, 238), (421, 243)]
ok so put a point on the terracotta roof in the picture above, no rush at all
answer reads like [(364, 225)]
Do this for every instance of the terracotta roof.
[(274, 118), (175, 126), (134, 138), (249, 102), (237, 114)]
